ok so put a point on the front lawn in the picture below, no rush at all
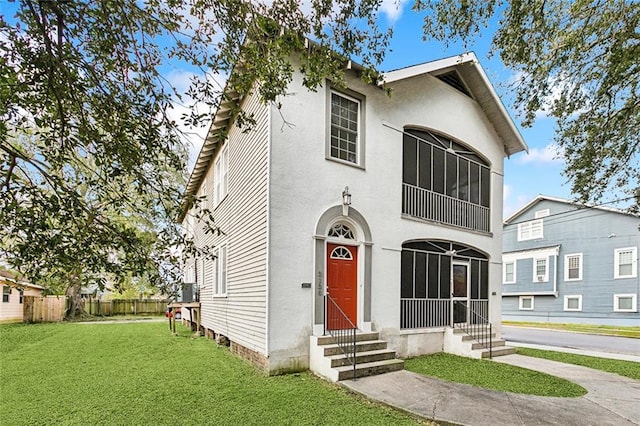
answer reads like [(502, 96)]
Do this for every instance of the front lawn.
[(139, 374), (492, 375)]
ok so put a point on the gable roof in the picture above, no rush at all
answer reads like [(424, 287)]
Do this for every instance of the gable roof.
[(576, 204), (469, 75)]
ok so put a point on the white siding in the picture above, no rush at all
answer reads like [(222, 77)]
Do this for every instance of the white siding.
[(242, 216)]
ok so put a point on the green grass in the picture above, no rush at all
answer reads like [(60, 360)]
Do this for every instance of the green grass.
[(138, 373), (608, 330), (492, 375), (624, 368)]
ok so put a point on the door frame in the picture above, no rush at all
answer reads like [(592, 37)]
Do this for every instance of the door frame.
[(362, 239), (466, 298)]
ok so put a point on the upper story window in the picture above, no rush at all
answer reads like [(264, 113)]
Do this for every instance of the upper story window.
[(626, 262), (531, 230), (573, 267), (221, 175), (345, 128), (445, 181)]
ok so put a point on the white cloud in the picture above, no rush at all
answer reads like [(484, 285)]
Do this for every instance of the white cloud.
[(512, 202), (550, 154), (392, 8)]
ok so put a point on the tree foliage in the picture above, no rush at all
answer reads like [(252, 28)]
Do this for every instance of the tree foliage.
[(92, 170), (93, 165), (577, 61)]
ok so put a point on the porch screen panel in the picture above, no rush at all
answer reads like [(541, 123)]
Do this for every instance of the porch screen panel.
[(409, 159), (445, 277), (484, 187), (438, 171), (406, 274), (434, 276), (420, 289), (452, 175), (474, 183), (484, 280), (475, 279), (463, 179), (424, 168)]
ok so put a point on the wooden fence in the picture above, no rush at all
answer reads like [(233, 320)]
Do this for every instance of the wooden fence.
[(125, 307), (44, 309)]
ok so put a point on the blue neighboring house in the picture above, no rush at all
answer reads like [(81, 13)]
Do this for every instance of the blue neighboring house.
[(569, 263)]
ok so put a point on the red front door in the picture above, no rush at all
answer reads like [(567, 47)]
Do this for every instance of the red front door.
[(342, 282)]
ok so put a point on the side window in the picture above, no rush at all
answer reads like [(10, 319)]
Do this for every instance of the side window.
[(526, 303), (6, 292), (540, 270), (626, 262), (220, 288), (625, 302), (345, 128), (573, 303), (221, 172), (573, 267), (509, 272)]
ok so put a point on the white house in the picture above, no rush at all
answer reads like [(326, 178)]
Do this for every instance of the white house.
[(390, 204)]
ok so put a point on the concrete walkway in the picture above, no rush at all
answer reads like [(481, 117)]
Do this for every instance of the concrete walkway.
[(611, 399)]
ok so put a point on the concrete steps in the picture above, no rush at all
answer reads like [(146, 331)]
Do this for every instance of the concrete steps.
[(460, 343), (372, 358)]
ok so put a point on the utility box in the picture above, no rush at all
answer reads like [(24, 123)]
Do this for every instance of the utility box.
[(187, 293)]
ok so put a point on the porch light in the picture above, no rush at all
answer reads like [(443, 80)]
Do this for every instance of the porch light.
[(346, 201)]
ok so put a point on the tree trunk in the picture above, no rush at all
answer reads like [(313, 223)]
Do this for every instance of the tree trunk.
[(76, 302)]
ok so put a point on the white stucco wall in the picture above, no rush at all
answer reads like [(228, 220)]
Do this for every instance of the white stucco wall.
[(303, 185)]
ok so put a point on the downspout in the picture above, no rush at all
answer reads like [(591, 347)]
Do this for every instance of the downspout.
[(555, 273)]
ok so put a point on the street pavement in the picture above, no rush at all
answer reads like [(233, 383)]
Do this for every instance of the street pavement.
[(571, 340)]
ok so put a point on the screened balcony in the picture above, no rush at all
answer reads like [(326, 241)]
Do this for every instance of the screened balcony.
[(444, 182)]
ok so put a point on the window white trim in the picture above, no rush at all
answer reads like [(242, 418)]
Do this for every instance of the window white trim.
[(521, 304), (569, 297), (541, 213), (220, 286), (634, 302), (513, 272), (333, 152), (531, 230), (221, 175), (537, 276), (633, 262), (567, 263)]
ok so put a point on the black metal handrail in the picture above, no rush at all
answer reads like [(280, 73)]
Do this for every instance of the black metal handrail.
[(476, 326), (341, 329)]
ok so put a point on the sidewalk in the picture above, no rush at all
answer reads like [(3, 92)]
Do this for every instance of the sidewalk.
[(611, 399)]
